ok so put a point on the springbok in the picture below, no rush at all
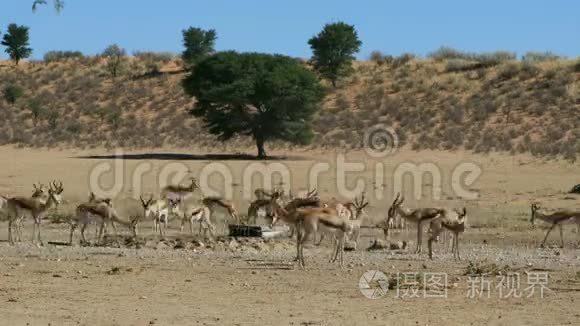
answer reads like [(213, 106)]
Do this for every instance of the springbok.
[(102, 213), (200, 214), (558, 218), (178, 192), (23, 207), (159, 211), (352, 211), (214, 203), (40, 192), (452, 220), (309, 220), (417, 216)]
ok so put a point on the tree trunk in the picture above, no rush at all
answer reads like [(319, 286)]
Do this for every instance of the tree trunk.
[(260, 146)]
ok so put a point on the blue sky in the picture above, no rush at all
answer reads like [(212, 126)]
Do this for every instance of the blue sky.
[(285, 26)]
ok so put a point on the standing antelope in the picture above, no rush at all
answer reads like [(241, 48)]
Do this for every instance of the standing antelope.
[(453, 221), (40, 192), (22, 207), (178, 192), (352, 211), (558, 218), (290, 207), (159, 211), (308, 220), (417, 216), (99, 212), (199, 214)]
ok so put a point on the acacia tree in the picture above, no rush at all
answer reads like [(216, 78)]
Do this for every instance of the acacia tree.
[(263, 96), (333, 50), (198, 44), (116, 57), (16, 42)]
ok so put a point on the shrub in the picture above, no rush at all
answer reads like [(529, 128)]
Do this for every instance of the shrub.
[(509, 70), (36, 109), (12, 93), (380, 59), (52, 56), (494, 58), (577, 66), (458, 65), (162, 57), (447, 53), (403, 59), (528, 70), (540, 56)]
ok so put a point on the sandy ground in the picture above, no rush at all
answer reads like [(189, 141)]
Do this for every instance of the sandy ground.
[(235, 282)]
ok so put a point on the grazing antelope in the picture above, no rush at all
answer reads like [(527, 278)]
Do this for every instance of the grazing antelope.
[(159, 211), (22, 207), (256, 207), (417, 216), (178, 192), (200, 214), (99, 212), (453, 221), (261, 193), (558, 218), (214, 203)]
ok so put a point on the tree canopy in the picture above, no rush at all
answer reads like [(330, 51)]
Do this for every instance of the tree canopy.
[(264, 96), (198, 44), (58, 4), (333, 50), (16, 42)]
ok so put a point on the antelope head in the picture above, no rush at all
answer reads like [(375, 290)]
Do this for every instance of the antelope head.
[(461, 215), (312, 194), (194, 185), (147, 205), (359, 206), (55, 191), (39, 190), (396, 204)]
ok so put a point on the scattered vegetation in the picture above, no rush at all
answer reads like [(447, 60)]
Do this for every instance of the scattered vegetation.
[(53, 56), (12, 93), (527, 106)]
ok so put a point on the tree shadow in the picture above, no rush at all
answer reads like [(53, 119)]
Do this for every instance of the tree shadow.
[(189, 157)]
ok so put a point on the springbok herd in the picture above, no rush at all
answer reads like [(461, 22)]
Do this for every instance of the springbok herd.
[(307, 215)]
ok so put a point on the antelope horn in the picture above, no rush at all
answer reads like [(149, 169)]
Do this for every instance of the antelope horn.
[(396, 198)]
